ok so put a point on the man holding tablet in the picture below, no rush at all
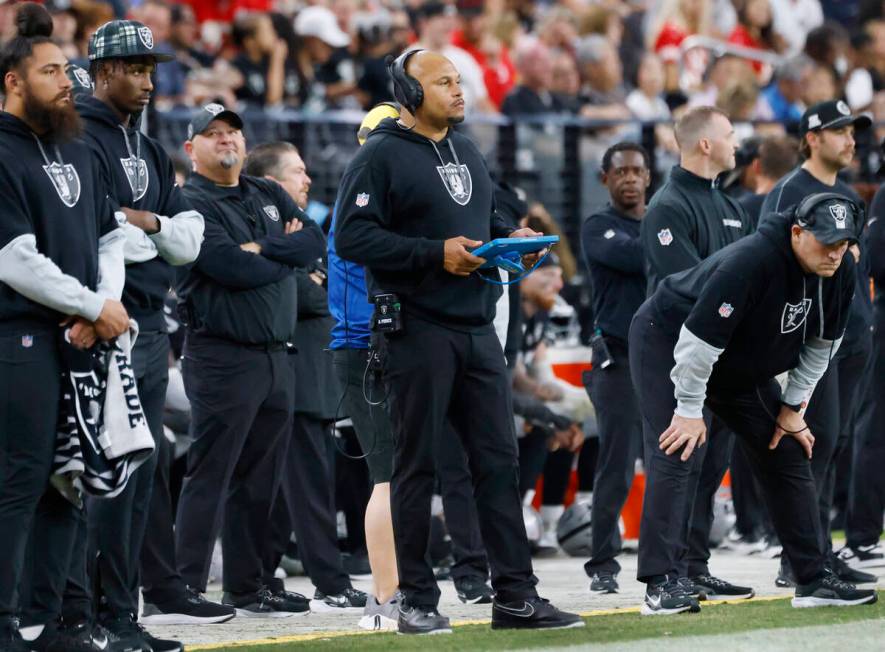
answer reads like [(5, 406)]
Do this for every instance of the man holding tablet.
[(413, 202)]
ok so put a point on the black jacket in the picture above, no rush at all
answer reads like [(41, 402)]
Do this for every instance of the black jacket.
[(876, 247), (401, 196), (235, 294), (753, 300), (141, 176), (613, 255), (58, 193), (688, 219), (791, 190)]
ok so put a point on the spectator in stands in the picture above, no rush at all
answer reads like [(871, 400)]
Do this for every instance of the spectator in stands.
[(64, 28), (565, 82), (755, 29), (532, 96), (473, 36), (676, 20), (603, 94), (784, 96), (400, 30), (559, 29), (374, 43), (325, 60), (821, 85), (858, 80), (646, 101), (793, 19), (184, 35), (739, 98), (261, 61), (435, 26), (827, 45), (876, 51)]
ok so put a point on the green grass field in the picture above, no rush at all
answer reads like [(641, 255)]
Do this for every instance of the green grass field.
[(714, 619)]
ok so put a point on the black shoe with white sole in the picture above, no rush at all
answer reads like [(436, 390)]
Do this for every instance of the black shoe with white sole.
[(422, 620), (532, 613), (474, 591), (604, 582), (261, 604), (161, 644), (190, 608), (691, 589), (851, 575), (350, 600), (79, 637), (863, 556), (667, 597), (830, 591), (718, 589)]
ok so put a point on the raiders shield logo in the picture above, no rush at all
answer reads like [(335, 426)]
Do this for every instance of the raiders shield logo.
[(794, 315), (137, 176), (147, 37), (83, 77), (66, 182), (214, 108), (272, 212), (840, 215), (457, 181)]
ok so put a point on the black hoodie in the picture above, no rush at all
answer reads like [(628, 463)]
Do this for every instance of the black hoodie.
[(57, 193), (401, 197), (148, 187), (753, 300)]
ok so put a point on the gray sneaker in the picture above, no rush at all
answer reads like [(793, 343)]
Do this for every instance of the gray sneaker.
[(383, 617), (422, 620)]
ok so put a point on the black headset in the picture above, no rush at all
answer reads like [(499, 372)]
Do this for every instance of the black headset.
[(804, 213), (406, 89)]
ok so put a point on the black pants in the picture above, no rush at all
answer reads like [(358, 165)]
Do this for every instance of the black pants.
[(241, 409), (785, 472), (620, 443), (306, 504), (116, 526), (438, 375), (751, 517), (29, 396), (866, 501)]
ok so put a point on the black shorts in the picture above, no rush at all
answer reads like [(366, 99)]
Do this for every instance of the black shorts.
[(371, 422)]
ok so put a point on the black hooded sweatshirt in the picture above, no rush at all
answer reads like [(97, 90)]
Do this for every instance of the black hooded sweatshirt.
[(401, 197), (55, 193), (148, 186), (753, 300)]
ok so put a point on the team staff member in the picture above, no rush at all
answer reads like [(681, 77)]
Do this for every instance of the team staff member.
[(306, 501), (162, 231), (413, 200), (614, 259), (827, 145), (689, 219), (58, 236), (717, 335), (239, 302)]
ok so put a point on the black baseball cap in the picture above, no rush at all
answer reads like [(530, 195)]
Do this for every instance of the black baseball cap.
[(833, 220), (119, 39), (81, 80), (831, 115), (206, 114)]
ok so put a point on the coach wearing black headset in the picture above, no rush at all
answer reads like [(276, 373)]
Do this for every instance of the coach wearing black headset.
[(413, 201), (715, 336)]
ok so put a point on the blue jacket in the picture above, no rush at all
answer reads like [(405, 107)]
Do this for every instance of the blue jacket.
[(348, 300)]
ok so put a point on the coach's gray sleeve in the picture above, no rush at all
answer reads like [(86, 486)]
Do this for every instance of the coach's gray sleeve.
[(814, 357), (36, 277), (694, 364)]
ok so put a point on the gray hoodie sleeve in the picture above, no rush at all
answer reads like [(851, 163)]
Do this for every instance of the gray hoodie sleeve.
[(814, 357), (36, 277), (694, 364), (111, 268), (179, 238)]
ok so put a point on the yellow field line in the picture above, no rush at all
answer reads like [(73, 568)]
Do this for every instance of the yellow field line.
[(313, 636)]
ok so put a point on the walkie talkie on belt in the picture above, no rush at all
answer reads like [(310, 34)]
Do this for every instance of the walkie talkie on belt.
[(388, 316)]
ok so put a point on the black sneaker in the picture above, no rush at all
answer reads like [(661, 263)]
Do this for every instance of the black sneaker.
[(863, 556), (851, 575), (691, 589), (717, 589), (294, 602), (10, 638), (422, 620), (79, 637), (191, 608), (162, 645), (532, 613), (604, 582), (785, 579), (260, 604), (668, 597), (350, 600), (831, 591), (125, 635), (474, 591)]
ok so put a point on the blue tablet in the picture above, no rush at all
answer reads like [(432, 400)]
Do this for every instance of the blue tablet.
[(512, 247)]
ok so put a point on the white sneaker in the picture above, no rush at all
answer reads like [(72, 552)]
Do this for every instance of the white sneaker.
[(381, 617)]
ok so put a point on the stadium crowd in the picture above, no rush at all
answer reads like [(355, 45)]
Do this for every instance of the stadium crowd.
[(204, 374)]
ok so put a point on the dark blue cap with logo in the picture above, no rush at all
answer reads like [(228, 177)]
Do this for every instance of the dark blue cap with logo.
[(831, 115)]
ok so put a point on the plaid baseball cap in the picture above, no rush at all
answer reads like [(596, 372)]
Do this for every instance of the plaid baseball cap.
[(124, 38), (831, 115), (206, 114)]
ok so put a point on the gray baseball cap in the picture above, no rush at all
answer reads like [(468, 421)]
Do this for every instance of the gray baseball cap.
[(206, 114)]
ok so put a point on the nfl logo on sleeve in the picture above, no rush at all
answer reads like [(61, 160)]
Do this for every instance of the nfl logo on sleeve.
[(725, 310), (362, 199), (665, 237), (27, 341)]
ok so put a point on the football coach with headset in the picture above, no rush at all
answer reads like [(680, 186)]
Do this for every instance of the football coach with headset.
[(716, 335), (415, 198)]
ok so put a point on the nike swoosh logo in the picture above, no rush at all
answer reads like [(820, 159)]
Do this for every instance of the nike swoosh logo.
[(527, 610), (655, 601)]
